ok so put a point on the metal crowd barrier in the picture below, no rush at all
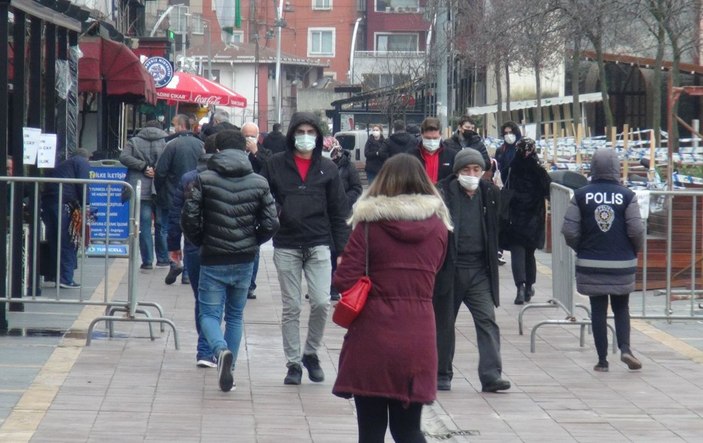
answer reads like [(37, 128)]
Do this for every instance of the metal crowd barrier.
[(671, 256), (130, 307), (563, 275)]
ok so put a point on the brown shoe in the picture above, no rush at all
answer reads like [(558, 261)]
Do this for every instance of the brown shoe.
[(632, 363)]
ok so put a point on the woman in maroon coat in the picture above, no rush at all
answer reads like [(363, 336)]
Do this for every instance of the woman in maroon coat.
[(388, 361)]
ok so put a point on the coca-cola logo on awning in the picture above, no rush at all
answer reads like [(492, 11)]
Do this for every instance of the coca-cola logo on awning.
[(207, 100)]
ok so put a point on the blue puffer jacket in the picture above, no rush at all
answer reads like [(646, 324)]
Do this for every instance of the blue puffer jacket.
[(603, 225)]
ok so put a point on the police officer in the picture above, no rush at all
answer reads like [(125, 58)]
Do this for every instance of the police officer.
[(603, 225)]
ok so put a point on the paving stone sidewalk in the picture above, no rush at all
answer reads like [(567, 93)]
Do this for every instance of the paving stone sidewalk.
[(130, 389)]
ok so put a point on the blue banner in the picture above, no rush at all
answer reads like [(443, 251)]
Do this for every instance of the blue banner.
[(100, 205)]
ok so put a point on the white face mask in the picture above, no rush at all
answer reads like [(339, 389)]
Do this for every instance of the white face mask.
[(376, 134), (327, 154), (251, 139), (431, 144), (468, 182), (509, 138), (305, 142)]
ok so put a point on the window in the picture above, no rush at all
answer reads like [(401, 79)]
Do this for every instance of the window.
[(321, 42), (396, 42), (322, 4), (234, 38), (397, 5), (375, 81), (197, 25), (178, 20)]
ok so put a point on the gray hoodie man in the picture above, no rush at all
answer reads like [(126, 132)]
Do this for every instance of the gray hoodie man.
[(141, 154)]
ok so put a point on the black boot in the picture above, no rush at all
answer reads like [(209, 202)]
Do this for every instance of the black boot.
[(520, 299), (529, 293)]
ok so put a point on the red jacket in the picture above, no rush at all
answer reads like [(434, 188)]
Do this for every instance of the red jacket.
[(390, 350)]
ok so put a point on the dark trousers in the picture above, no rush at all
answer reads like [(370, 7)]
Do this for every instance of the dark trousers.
[(522, 260), (472, 287), (373, 415), (191, 260), (68, 258), (599, 314)]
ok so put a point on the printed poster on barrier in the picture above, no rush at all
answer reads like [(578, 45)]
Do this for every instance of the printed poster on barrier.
[(102, 204)]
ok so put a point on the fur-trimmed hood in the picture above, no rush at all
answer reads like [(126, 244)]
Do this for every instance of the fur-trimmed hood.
[(404, 207)]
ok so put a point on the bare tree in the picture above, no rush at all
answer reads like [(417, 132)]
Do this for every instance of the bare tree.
[(680, 28), (539, 36), (599, 21), (484, 36), (394, 79)]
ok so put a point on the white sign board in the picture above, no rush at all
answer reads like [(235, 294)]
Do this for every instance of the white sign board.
[(46, 155), (31, 138)]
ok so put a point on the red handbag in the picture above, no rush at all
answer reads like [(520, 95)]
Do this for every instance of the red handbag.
[(353, 299)]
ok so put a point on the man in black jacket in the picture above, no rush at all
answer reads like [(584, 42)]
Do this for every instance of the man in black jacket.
[(257, 157), (467, 137), (52, 215), (312, 209), (275, 141), (180, 156), (469, 274), (228, 213), (400, 142)]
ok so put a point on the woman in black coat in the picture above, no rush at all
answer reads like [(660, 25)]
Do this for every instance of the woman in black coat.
[(332, 149), (526, 231), (374, 152)]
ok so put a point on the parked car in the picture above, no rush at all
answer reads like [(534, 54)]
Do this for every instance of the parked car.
[(354, 141)]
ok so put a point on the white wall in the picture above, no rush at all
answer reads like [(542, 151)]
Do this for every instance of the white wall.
[(522, 87), (239, 78)]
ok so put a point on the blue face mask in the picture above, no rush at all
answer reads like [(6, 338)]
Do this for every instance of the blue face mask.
[(305, 142)]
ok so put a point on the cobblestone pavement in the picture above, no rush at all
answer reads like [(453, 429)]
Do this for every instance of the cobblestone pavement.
[(130, 388)]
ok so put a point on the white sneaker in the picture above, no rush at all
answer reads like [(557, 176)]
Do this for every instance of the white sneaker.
[(207, 363)]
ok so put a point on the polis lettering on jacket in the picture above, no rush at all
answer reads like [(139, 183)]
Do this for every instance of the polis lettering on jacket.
[(608, 198)]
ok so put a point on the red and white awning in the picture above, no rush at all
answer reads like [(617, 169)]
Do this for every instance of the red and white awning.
[(191, 88)]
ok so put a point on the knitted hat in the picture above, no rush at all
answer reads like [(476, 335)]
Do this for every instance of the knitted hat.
[(468, 156)]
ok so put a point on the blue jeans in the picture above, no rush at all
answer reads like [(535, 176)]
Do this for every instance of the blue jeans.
[(161, 233), (68, 258), (146, 242), (252, 285), (191, 259), (223, 286)]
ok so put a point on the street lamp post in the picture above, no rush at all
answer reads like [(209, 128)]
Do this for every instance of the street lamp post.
[(185, 30), (279, 25), (209, 50)]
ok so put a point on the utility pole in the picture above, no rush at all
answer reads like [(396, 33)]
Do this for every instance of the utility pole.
[(442, 72), (254, 35), (279, 28)]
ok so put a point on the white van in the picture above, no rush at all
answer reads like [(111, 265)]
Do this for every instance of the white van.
[(354, 142)]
